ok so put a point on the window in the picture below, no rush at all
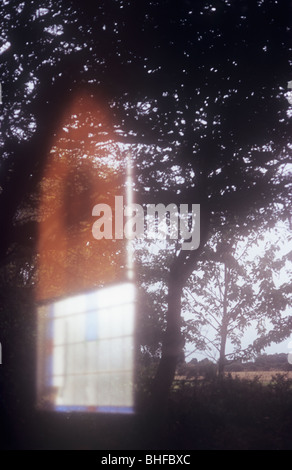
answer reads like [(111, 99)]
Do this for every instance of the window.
[(86, 351), (85, 337)]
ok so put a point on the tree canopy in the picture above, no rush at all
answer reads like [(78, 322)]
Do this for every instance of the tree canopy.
[(195, 89), (243, 290)]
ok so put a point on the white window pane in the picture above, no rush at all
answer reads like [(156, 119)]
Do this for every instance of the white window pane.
[(91, 326), (70, 358), (79, 391), (68, 391), (104, 324), (91, 390), (79, 358), (59, 335), (116, 295), (117, 359), (103, 356), (92, 301), (58, 382), (85, 346), (128, 353), (76, 304), (127, 319), (113, 321), (103, 390), (122, 389), (60, 308), (59, 360), (75, 328), (91, 354)]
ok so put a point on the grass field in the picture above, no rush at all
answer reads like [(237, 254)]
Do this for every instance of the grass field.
[(263, 376)]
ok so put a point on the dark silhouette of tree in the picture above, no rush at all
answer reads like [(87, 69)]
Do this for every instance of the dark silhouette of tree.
[(196, 88), (236, 291)]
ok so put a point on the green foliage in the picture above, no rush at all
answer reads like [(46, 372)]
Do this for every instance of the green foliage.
[(235, 290), (197, 92), (231, 414)]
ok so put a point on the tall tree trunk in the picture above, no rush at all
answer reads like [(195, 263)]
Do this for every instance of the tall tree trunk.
[(172, 345), (224, 327), (173, 342), (221, 362), (155, 422)]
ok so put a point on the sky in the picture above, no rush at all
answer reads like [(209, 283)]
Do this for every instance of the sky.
[(281, 237)]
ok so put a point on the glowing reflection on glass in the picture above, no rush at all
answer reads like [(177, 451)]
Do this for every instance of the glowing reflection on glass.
[(86, 351)]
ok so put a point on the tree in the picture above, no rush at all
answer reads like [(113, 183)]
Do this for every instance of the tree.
[(235, 291), (197, 91)]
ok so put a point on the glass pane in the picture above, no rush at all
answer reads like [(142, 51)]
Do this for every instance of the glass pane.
[(86, 352)]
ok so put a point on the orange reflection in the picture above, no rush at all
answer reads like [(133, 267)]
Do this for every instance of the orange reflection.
[(84, 168)]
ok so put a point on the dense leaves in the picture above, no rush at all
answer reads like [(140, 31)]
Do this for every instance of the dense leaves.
[(196, 90), (237, 292)]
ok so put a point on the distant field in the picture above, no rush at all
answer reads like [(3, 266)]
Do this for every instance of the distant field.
[(264, 376)]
